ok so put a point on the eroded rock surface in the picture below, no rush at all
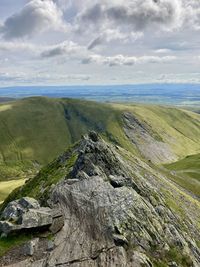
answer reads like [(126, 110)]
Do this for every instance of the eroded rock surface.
[(26, 213), (150, 145), (107, 213)]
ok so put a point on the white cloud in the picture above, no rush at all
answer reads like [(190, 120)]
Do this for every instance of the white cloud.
[(15, 77), (17, 46), (114, 35), (163, 51), (80, 53), (138, 15), (99, 33), (120, 60), (35, 17), (41, 77), (64, 48), (192, 13)]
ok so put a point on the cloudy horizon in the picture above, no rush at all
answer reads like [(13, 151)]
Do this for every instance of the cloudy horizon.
[(63, 42)]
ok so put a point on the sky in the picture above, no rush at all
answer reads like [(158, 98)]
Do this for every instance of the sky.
[(90, 42)]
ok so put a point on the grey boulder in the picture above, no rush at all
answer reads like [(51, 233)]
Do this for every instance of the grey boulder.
[(26, 213)]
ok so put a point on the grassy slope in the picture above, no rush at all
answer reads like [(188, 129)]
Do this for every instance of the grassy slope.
[(27, 126), (39, 186), (186, 173), (7, 187), (39, 129)]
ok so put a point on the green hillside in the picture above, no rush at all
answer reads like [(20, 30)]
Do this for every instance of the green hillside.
[(186, 173), (178, 128), (40, 128)]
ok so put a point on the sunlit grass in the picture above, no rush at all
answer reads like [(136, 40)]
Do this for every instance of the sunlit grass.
[(7, 187)]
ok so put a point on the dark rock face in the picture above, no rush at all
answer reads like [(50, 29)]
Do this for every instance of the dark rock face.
[(15, 209), (96, 158), (93, 136), (26, 213), (111, 219)]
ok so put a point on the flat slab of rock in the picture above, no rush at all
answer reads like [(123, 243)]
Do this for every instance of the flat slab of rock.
[(26, 213)]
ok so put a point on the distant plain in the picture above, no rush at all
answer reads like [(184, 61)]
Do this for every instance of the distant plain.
[(165, 94)]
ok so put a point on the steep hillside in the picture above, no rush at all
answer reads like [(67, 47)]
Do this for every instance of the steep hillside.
[(177, 128), (186, 172), (38, 128), (118, 211)]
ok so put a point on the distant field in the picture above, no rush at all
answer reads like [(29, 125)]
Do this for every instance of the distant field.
[(167, 94), (7, 187)]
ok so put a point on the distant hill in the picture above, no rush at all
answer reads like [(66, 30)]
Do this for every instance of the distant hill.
[(6, 99), (186, 95)]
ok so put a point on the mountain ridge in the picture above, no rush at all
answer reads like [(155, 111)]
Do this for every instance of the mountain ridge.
[(118, 210), (36, 130)]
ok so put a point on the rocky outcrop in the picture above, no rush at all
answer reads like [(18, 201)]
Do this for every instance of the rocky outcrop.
[(113, 215), (26, 213), (148, 143)]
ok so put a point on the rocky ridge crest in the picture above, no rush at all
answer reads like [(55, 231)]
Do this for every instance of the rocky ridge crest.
[(113, 216)]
